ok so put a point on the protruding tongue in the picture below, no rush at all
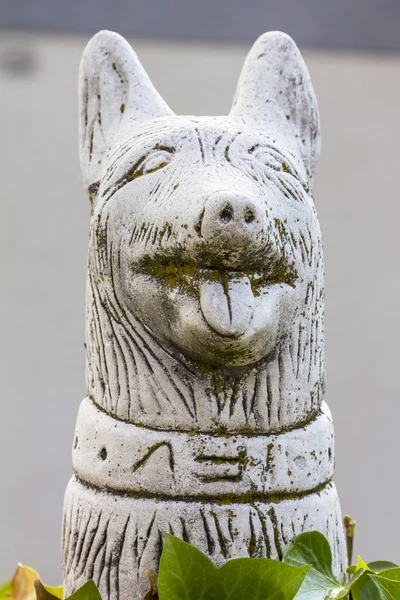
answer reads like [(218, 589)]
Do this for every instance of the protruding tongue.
[(227, 306)]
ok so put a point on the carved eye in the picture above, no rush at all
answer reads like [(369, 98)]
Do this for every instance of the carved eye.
[(154, 162), (266, 157)]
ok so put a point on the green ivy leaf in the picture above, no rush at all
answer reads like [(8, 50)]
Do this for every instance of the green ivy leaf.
[(56, 591), (311, 548), (376, 567), (381, 565), (366, 591), (187, 574), (320, 584), (363, 588), (5, 590), (387, 583), (88, 591)]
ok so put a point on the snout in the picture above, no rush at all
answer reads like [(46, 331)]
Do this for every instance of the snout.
[(231, 218)]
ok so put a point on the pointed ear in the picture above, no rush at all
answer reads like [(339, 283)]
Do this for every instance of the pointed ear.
[(114, 94), (275, 89)]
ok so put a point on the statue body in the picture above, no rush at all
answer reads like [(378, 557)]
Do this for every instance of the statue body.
[(205, 413)]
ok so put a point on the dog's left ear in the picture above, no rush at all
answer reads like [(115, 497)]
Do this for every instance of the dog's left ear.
[(115, 94), (275, 90)]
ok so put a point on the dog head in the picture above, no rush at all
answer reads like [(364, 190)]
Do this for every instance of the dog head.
[(204, 229)]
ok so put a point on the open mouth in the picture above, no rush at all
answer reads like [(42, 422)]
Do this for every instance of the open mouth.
[(227, 297)]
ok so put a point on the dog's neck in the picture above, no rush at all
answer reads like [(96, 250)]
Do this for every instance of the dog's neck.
[(134, 378)]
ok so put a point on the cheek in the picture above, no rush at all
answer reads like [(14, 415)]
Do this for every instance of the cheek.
[(146, 300), (292, 306)]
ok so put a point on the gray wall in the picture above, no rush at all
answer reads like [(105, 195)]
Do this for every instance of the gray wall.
[(43, 253), (362, 24)]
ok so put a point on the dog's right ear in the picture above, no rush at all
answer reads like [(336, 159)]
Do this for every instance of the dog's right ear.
[(275, 91), (115, 93)]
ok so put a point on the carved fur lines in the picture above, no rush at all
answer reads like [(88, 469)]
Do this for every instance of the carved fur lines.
[(204, 414), (132, 384), (135, 379), (139, 382), (110, 542)]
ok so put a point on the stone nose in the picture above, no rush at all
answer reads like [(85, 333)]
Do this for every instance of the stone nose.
[(230, 214)]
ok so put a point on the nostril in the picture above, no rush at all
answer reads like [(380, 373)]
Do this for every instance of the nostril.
[(226, 214), (249, 215)]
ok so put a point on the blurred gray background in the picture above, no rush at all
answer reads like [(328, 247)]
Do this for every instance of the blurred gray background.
[(194, 52)]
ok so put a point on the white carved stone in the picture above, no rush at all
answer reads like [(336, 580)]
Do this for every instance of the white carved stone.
[(205, 336)]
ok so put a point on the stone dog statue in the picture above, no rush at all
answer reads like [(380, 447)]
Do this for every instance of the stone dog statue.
[(204, 414)]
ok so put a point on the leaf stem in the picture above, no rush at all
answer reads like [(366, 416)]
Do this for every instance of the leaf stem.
[(349, 525)]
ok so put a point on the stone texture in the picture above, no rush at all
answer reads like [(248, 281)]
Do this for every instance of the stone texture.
[(113, 539), (205, 340), (180, 464)]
